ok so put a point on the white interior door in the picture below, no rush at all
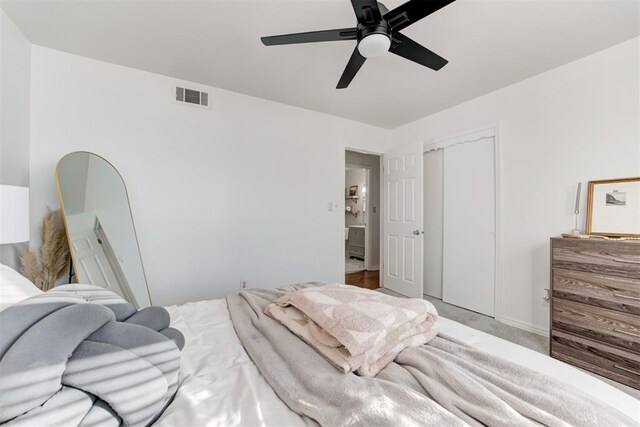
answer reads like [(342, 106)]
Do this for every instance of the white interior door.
[(469, 226), (91, 264), (402, 240)]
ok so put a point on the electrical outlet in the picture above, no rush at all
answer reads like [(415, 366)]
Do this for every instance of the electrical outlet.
[(243, 284)]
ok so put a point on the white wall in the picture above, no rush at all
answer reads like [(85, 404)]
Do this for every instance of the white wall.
[(236, 192), (575, 123), (15, 58)]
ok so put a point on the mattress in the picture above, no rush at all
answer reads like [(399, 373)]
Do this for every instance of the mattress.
[(222, 386)]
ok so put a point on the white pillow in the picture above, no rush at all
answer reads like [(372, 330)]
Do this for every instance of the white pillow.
[(14, 287)]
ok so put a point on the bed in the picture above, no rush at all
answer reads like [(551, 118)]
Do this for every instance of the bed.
[(222, 386)]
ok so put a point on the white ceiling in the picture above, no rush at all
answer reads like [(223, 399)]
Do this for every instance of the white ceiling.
[(490, 44)]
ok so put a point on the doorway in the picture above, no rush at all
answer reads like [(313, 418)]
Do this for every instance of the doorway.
[(362, 219), (460, 199)]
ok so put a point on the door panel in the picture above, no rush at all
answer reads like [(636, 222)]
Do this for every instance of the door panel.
[(402, 177), (93, 269), (409, 185), (92, 262), (392, 201), (409, 259), (392, 258)]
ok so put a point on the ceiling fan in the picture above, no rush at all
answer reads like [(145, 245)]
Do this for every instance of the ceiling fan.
[(377, 32)]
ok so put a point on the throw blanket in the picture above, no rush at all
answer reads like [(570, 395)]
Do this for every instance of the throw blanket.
[(81, 355), (442, 383), (353, 328)]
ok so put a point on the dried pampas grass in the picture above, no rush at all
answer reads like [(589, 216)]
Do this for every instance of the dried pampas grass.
[(54, 253)]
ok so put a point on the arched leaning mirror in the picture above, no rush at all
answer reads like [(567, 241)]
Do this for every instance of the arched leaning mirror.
[(100, 230)]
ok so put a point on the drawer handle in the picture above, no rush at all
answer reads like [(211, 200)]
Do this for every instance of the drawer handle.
[(633, 371), (633, 334), (626, 296)]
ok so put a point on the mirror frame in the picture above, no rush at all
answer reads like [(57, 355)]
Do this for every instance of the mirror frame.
[(126, 193)]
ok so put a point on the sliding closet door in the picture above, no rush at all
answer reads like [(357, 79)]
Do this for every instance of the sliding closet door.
[(433, 198), (469, 226)]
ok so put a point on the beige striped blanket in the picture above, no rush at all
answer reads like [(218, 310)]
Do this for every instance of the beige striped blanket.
[(357, 330)]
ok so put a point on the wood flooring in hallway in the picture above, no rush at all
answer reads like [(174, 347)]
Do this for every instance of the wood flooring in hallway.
[(363, 279)]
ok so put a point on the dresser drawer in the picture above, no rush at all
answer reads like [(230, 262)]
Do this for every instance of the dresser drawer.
[(611, 258), (613, 292), (611, 362), (600, 324)]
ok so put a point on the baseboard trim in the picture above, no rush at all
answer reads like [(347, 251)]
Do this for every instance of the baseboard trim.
[(524, 325)]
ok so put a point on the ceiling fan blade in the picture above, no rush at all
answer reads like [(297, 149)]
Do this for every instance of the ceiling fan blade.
[(311, 37), (350, 71), (413, 11), (367, 11), (403, 46)]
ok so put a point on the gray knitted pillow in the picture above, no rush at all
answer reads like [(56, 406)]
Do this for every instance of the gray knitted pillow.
[(81, 355)]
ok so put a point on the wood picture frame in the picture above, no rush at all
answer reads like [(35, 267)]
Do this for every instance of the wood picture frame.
[(613, 207), (353, 191)]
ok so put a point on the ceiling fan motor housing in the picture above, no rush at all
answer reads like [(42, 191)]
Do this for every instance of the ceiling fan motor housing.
[(381, 27)]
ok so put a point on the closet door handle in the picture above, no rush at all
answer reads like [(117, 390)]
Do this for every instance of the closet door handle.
[(626, 296)]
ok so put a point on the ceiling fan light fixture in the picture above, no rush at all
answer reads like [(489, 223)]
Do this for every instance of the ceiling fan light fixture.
[(373, 34), (373, 45)]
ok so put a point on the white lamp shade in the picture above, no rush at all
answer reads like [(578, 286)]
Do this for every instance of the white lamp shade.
[(14, 214), (374, 45)]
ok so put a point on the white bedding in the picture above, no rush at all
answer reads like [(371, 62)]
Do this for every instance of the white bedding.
[(224, 388)]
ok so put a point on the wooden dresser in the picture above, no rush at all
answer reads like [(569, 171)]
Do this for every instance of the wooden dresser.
[(595, 306)]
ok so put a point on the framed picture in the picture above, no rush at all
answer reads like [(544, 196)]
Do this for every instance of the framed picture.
[(613, 207), (353, 191)]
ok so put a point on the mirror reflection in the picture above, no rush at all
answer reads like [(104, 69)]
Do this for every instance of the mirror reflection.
[(100, 228)]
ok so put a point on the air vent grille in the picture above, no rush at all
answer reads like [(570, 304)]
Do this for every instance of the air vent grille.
[(191, 96)]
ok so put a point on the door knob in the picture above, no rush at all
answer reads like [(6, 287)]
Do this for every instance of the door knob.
[(418, 232)]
